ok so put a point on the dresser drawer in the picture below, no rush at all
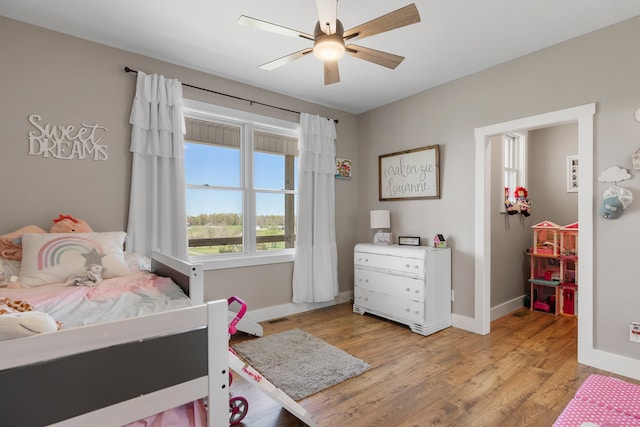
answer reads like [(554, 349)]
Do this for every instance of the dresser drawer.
[(402, 286), (398, 307), (403, 265)]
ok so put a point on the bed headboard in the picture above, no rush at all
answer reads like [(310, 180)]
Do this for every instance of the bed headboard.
[(189, 276)]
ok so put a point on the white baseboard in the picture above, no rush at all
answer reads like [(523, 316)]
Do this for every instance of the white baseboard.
[(506, 307), (470, 324), (611, 362), (278, 311), (464, 322), (458, 321)]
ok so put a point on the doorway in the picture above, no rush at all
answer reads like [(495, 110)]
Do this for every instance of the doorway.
[(583, 115)]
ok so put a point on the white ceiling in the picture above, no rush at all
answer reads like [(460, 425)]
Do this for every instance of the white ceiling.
[(455, 38)]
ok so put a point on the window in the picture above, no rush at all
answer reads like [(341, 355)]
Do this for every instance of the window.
[(514, 154), (241, 181)]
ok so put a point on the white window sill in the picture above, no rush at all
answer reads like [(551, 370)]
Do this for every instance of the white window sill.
[(234, 261)]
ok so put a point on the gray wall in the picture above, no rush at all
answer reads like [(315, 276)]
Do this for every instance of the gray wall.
[(599, 67), (69, 81), (548, 151)]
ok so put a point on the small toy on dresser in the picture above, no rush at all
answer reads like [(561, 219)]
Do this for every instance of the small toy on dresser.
[(439, 241)]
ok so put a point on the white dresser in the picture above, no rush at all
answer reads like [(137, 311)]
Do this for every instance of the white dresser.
[(407, 284)]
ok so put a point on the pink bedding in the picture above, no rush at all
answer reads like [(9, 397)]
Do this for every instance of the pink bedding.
[(133, 295)]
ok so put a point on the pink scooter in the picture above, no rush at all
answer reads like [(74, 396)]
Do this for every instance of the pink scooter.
[(238, 405)]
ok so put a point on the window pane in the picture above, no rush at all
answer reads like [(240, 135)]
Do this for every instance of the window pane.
[(214, 221), (208, 164), (508, 153), (269, 171), (275, 221), (270, 219), (220, 215)]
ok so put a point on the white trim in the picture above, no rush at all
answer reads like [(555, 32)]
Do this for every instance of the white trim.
[(233, 261), (584, 116), (611, 362), (283, 310), (463, 322), (248, 123), (202, 109)]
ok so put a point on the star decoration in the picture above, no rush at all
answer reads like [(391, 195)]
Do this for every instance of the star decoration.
[(93, 257)]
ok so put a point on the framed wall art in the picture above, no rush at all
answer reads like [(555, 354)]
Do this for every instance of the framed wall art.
[(411, 174), (343, 168), (409, 240), (572, 174)]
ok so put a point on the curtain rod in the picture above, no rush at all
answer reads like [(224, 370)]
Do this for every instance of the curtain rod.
[(131, 70)]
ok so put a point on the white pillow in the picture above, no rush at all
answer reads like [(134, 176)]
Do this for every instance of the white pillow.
[(54, 257), (137, 262)]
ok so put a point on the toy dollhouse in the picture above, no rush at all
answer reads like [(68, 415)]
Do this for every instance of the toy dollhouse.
[(554, 261), (546, 235), (439, 241)]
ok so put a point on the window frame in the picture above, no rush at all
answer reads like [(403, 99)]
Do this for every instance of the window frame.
[(249, 122), (520, 160)]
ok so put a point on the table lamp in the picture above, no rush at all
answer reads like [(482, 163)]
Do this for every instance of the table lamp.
[(381, 219)]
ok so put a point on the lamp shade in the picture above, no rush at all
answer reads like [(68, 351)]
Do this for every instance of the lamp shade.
[(380, 219)]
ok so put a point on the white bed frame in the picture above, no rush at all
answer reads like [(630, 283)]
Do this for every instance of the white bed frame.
[(101, 375)]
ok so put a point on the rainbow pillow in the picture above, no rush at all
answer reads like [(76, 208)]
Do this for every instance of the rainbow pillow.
[(54, 257)]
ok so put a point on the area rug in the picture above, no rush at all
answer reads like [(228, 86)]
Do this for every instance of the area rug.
[(299, 363)]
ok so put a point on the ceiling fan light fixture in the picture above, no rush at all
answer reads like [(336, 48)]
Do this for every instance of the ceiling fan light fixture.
[(329, 48)]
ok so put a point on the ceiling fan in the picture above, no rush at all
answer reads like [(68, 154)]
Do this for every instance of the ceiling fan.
[(329, 38)]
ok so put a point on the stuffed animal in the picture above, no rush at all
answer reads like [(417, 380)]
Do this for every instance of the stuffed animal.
[(91, 277), (69, 224), (522, 200), (11, 243), (18, 319)]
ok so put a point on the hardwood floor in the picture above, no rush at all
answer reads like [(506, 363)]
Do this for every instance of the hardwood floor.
[(522, 374)]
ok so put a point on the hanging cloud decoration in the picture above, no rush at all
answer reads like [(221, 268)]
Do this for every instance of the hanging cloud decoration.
[(614, 174)]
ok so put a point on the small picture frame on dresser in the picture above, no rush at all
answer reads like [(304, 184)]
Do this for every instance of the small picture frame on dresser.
[(409, 240)]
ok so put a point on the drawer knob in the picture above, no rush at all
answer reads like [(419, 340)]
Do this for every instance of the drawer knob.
[(408, 310), (408, 265), (408, 289)]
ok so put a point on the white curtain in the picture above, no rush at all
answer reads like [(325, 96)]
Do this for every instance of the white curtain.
[(157, 214), (315, 269)]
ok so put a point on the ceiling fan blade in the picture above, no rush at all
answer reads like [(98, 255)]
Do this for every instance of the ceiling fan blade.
[(273, 28), (327, 15), (400, 18), (331, 72), (385, 59), (272, 65)]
